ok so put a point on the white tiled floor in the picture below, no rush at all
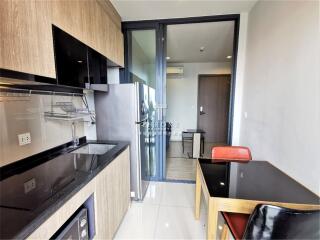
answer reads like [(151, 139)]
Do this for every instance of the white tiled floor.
[(179, 165), (167, 212)]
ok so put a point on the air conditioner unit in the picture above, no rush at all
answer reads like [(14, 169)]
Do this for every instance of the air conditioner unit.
[(174, 70)]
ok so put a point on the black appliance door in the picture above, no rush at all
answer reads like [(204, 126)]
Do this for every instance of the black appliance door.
[(142, 94), (75, 228), (144, 151)]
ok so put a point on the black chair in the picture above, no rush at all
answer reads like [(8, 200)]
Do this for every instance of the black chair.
[(186, 137), (272, 222)]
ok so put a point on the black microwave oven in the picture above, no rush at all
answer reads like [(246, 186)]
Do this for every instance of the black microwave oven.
[(75, 228)]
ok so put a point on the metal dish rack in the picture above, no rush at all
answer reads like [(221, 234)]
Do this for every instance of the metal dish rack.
[(68, 112)]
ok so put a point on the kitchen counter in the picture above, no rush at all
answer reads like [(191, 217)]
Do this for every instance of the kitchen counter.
[(58, 175)]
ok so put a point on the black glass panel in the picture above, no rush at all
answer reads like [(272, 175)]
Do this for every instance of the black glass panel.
[(49, 178), (255, 180), (71, 59), (19, 204), (97, 67)]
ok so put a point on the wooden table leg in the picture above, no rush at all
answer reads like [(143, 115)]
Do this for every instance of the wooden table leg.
[(224, 234), (212, 220), (198, 193)]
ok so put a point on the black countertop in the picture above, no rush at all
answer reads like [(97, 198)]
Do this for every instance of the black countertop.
[(58, 173), (255, 180)]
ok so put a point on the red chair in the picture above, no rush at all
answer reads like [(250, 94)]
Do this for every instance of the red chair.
[(231, 153), (236, 221)]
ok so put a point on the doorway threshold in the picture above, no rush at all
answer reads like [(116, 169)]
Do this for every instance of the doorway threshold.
[(178, 181)]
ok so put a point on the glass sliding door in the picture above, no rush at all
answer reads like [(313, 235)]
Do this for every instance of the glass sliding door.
[(141, 66)]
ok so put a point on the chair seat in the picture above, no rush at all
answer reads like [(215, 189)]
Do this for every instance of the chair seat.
[(237, 223), (231, 153)]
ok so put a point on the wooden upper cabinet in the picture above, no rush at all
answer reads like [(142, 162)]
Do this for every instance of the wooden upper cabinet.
[(120, 49), (26, 42), (90, 22)]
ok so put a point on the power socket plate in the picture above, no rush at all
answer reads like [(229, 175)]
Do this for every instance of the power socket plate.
[(24, 139), (29, 185)]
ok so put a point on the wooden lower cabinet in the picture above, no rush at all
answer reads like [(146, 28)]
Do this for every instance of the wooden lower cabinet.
[(111, 190), (112, 196)]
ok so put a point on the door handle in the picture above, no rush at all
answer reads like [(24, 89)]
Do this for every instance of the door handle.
[(142, 121), (201, 111)]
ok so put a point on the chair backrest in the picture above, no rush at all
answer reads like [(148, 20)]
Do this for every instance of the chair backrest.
[(231, 153), (272, 222)]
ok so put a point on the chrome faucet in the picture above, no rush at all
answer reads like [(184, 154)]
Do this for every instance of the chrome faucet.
[(75, 139)]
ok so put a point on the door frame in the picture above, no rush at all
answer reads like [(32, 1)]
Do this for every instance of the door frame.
[(229, 137), (161, 29), (125, 78)]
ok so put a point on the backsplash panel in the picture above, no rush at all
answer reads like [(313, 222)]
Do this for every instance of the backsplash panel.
[(26, 114)]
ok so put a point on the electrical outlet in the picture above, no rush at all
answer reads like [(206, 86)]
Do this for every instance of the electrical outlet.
[(29, 185), (24, 138)]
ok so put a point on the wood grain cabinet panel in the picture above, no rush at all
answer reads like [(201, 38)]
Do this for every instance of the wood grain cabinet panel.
[(89, 22), (26, 43), (109, 38), (107, 6), (119, 48), (113, 195), (72, 17), (101, 200)]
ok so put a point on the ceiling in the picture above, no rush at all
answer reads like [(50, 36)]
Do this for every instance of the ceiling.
[(132, 10), (185, 40)]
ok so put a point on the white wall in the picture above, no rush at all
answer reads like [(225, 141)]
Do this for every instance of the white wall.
[(90, 130), (182, 95), (238, 94), (26, 114), (282, 88), (113, 75)]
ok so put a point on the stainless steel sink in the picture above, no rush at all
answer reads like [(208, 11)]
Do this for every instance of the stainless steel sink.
[(94, 148)]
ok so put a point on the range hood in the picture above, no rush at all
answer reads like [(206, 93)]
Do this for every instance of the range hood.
[(98, 87)]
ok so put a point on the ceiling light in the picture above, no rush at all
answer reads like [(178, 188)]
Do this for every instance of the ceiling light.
[(168, 58), (79, 61), (201, 49), (229, 57)]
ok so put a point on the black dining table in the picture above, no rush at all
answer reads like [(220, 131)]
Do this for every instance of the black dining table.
[(238, 187)]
